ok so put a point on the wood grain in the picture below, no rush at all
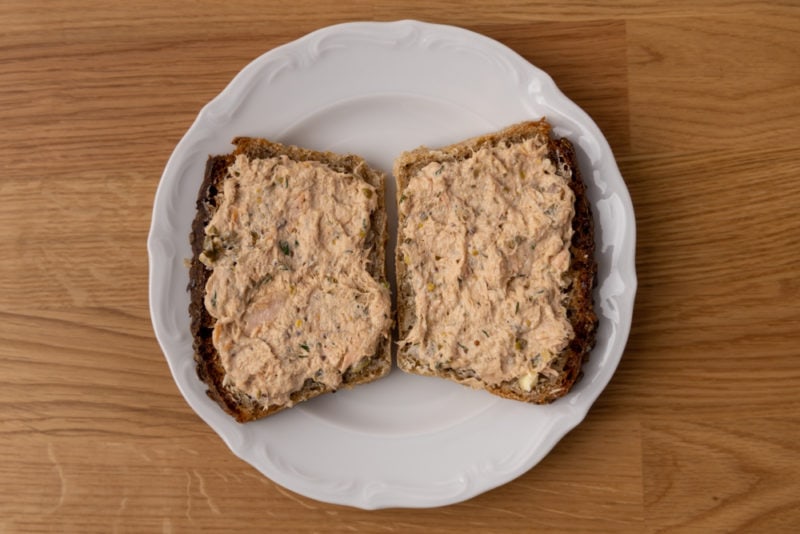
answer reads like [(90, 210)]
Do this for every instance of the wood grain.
[(748, 479), (740, 70), (698, 430)]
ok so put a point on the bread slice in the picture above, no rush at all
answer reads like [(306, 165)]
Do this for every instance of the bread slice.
[(289, 298), (495, 263)]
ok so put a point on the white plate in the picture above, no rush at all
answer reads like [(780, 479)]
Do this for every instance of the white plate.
[(377, 89)]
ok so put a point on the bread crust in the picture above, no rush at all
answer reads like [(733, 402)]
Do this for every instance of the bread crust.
[(580, 276), (209, 367)]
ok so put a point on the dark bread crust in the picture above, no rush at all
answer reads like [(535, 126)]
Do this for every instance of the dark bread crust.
[(580, 276), (209, 367)]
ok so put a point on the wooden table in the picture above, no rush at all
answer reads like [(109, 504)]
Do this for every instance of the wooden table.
[(699, 429)]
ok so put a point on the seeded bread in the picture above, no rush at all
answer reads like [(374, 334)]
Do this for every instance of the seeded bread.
[(240, 405), (579, 277)]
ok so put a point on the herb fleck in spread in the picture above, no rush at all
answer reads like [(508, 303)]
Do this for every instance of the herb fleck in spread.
[(290, 290), (486, 240)]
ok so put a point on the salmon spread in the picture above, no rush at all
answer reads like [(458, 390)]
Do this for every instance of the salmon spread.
[(486, 243), (290, 287)]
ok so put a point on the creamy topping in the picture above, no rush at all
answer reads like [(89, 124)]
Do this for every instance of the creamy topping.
[(290, 290), (486, 244)]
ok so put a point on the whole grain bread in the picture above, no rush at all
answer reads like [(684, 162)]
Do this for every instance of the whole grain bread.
[(209, 367), (580, 277)]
